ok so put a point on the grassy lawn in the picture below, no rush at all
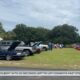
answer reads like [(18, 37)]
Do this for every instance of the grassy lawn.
[(66, 58)]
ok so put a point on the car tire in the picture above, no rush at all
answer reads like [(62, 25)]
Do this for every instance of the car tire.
[(27, 52), (38, 51), (8, 57), (44, 49)]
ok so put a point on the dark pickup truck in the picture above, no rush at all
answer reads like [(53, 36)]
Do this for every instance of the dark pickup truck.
[(11, 53)]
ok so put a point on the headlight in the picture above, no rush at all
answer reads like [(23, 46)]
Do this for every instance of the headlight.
[(18, 53)]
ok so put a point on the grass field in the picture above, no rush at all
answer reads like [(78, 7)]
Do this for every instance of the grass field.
[(66, 58)]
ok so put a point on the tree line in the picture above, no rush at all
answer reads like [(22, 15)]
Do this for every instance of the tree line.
[(66, 34)]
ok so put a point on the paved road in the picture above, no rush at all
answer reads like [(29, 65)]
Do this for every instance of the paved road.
[(33, 78), (31, 69), (27, 69), (39, 78)]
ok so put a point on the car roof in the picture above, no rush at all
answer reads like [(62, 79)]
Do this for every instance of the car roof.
[(8, 40)]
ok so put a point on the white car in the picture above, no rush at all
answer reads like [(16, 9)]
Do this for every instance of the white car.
[(42, 47)]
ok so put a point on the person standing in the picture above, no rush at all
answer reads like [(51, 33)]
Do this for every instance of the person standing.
[(50, 45)]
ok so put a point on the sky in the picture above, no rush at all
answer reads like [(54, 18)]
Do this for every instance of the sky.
[(45, 13)]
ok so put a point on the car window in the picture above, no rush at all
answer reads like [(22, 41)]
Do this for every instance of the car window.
[(8, 43), (3, 43)]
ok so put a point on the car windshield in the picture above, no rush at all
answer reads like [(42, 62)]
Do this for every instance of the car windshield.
[(22, 43), (36, 44)]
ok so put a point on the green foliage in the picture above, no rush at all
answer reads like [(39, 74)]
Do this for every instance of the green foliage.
[(1, 28), (6, 35), (41, 34), (28, 34), (64, 34), (78, 40), (22, 32), (2, 31), (10, 35)]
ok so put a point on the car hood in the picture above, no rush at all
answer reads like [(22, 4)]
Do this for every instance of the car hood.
[(14, 45)]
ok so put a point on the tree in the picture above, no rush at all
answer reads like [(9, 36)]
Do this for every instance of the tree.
[(2, 31), (10, 35), (41, 34), (1, 28), (20, 32), (78, 40), (64, 34), (28, 34)]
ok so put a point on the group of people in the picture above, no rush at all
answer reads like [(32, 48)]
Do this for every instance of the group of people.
[(52, 45), (58, 45)]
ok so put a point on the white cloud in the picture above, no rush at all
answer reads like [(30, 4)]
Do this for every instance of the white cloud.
[(39, 12)]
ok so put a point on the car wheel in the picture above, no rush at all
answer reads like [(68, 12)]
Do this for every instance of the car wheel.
[(38, 51), (44, 49), (8, 57), (26, 52)]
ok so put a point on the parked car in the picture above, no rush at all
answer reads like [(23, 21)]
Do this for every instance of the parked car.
[(21, 47), (10, 52), (77, 46), (40, 46)]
